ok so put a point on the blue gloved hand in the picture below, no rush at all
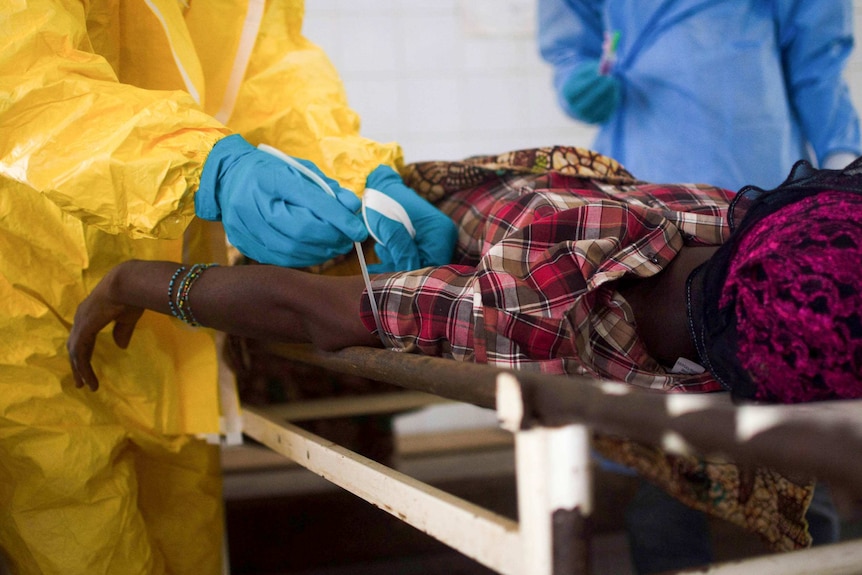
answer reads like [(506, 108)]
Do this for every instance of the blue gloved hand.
[(410, 232), (271, 211), (589, 96)]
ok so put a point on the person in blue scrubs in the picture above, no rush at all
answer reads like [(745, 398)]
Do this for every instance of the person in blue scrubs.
[(726, 93), (718, 92)]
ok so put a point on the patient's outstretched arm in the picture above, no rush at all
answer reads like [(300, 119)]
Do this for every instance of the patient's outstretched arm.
[(258, 301)]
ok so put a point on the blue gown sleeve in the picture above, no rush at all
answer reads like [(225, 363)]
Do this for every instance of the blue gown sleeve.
[(816, 39), (569, 32)]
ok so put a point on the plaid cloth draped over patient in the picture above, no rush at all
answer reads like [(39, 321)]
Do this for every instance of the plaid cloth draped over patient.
[(533, 282), (545, 237)]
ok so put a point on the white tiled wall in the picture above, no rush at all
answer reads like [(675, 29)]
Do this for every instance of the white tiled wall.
[(453, 78), (444, 78)]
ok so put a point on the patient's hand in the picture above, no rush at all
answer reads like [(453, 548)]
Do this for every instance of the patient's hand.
[(259, 301), (96, 312)]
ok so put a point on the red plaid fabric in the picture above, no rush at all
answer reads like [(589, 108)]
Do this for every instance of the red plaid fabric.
[(533, 283)]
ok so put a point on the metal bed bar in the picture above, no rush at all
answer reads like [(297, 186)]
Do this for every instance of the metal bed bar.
[(552, 418)]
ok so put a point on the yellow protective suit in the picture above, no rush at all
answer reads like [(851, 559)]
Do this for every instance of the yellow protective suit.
[(108, 109)]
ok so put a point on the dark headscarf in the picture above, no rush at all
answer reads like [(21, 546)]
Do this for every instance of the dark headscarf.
[(776, 313)]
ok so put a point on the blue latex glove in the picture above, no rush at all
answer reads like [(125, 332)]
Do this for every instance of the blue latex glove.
[(271, 211), (590, 96), (410, 232)]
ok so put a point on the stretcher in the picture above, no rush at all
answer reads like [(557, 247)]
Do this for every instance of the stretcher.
[(551, 419)]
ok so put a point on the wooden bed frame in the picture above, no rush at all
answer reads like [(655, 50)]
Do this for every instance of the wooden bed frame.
[(551, 419)]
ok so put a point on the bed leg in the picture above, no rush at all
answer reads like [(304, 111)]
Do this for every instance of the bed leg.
[(554, 488), (554, 497)]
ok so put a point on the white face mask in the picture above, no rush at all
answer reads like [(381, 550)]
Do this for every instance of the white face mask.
[(373, 199)]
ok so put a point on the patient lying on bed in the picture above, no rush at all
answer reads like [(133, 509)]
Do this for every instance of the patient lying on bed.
[(567, 264)]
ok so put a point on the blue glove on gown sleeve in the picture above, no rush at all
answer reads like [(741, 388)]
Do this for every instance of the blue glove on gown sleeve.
[(411, 233), (590, 96), (273, 213)]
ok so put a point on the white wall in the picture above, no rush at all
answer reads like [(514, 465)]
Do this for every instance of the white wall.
[(449, 79), (444, 78), (452, 78)]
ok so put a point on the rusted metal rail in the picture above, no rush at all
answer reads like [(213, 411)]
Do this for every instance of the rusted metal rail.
[(551, 418), (465, 382), (822, 440)]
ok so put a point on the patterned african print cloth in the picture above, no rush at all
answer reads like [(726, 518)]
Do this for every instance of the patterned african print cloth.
[(545, 237)]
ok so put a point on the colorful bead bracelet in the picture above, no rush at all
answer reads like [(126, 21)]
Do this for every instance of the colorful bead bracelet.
[(178, 300)]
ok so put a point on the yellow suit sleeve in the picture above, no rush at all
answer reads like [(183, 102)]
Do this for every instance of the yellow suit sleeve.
[(120, 158), (292, 98)]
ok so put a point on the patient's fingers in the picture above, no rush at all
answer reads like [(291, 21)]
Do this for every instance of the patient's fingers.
[(80, 353), (124, 326), (94, 314)]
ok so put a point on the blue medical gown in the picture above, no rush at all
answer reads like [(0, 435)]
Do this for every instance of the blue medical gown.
[(726, 93)]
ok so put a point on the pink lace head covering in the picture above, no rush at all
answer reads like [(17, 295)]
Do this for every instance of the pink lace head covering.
[(776, 313), (794, 284)]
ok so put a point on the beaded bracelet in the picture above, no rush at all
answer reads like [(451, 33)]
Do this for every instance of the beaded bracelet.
[(185, 288), (180, 306), (171, 283)]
